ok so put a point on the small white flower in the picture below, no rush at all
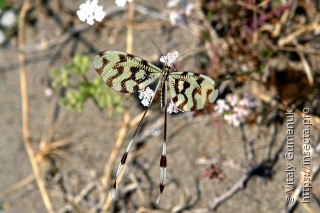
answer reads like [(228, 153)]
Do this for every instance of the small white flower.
[(2, 37), (244, 102), (188, 9), (48, 92), (247, 101), (8, 19), (221, 106), (170, 58), (232, 100), (172, 108), (122, 3), (232, 119), (235, 110), (241, 111), (176, 18), (178, 15), (145, 96), (173, 3), (90, 11)]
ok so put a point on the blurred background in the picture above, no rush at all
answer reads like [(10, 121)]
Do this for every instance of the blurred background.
[(63, 131)]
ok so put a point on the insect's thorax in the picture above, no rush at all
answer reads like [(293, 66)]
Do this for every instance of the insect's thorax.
[(163, 86), (165, 73)]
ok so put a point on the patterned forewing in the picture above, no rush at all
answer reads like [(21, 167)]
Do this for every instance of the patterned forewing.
[(125, 72), (191, 91)]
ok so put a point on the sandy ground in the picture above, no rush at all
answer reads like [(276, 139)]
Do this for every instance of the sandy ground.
[(92, 133)]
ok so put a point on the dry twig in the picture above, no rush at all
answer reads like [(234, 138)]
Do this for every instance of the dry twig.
[(24, 101)]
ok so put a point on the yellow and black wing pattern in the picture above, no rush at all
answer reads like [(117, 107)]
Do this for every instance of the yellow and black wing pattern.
[(191, 91), (125, 72)]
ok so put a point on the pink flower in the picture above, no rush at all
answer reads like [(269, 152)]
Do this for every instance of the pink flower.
[(235, 110)]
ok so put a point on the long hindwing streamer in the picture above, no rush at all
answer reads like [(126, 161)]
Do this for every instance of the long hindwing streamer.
[(191, 91), (125, 72)]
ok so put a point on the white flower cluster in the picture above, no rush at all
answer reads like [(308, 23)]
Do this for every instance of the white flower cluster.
[(178, 15), (170, 58), (90, 11), (145, 96), (233, 109), (172, 108)]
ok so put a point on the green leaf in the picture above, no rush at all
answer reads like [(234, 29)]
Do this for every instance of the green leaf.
[(3, 4), (74, 78)]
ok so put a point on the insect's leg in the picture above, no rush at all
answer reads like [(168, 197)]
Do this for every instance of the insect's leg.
[(125, 154), (163, 159)]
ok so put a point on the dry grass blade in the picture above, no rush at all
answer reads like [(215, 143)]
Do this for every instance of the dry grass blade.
[(129, 48), (291, 37), (4, 193), (24, 101), (305, 63), (307, 68)]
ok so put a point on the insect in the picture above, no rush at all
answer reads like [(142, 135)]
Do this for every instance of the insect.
[(127, 73)]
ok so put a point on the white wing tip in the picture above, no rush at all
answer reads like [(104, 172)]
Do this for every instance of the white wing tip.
[(158, 200), (113, 193)]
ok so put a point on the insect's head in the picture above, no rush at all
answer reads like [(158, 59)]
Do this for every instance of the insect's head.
[(170, 59)]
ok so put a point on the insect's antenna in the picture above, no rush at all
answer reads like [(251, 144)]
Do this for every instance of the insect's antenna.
[(125, 154), (166, 62), (184, 54), (157, 48)]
